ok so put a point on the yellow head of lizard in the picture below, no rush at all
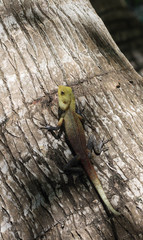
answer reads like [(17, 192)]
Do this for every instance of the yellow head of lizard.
[(66, 98)]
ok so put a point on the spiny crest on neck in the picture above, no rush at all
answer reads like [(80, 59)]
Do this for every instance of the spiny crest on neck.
[(66, 98)]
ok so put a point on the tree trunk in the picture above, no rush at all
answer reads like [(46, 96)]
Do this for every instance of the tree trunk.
[(45, 44)]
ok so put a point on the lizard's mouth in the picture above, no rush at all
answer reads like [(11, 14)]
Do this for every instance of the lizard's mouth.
[(63, 105)]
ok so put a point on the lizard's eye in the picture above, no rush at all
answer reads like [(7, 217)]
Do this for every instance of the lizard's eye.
[(62, 93)]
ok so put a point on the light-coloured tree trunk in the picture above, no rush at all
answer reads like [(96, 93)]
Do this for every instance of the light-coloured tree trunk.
[(45, 44)]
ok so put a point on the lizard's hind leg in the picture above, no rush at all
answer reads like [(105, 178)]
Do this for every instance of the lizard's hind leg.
[(73, 166)]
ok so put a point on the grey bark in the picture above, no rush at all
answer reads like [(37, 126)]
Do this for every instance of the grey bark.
[(43, 45)]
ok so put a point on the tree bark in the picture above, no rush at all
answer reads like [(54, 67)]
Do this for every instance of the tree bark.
[(45, 44)]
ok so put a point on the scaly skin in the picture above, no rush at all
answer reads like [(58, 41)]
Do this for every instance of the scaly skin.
[(76, 136)]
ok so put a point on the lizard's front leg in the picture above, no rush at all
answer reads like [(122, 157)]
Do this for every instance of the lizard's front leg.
[(55, 128), (96, 147)]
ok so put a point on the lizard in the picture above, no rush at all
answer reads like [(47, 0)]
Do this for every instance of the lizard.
[(75, 133)]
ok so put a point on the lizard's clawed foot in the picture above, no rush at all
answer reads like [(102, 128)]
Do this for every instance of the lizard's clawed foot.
[(49, 127), (97, 147)]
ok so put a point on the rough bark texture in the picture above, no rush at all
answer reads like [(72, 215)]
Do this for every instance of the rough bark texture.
[(125, 28), (45, 44)]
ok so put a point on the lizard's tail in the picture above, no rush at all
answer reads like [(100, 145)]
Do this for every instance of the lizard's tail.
[(94, 178), (101, 192)]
